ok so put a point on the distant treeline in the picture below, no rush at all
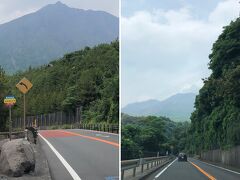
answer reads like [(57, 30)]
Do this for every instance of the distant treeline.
[(216, 120), (147, 136), (88, 78)]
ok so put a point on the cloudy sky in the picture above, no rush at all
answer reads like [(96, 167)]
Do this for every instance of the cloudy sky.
[(11, 9), (165, 45)]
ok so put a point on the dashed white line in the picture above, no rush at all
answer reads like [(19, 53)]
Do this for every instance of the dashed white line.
[(101, 135), (63, 161), (99, 132), (159, 174)]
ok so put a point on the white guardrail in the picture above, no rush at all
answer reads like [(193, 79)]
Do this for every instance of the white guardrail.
[(137, 167)]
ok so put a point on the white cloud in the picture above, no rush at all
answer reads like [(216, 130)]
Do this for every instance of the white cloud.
[(163, 52), (224, 12)]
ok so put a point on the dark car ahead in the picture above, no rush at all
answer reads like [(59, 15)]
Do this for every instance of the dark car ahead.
[(182, 157)]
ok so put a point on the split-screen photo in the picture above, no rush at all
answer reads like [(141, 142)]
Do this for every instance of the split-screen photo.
[(119, 90)]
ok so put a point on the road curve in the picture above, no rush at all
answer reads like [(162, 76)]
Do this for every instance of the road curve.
[(91, 155), (193, 169)]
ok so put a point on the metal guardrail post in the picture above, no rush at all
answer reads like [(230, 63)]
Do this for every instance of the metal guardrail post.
[(122, 175), (25, 134), (142, 165), (134, 172)]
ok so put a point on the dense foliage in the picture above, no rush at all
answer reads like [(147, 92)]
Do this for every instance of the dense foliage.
[(149, 135), (3, 89), (216, 120), (88, 78)]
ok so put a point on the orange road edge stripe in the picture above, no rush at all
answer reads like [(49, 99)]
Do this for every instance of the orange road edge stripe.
[(92, 138), (202, 171)]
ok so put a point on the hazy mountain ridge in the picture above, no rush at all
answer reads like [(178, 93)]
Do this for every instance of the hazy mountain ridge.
[(177, 107), (52, 31)]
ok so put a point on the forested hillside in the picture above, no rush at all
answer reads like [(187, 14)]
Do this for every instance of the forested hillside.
[(145, 136), (216, 120), (87, 78)]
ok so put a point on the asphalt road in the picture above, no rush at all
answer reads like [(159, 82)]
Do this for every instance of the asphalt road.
[(193, 170), (81, 154)]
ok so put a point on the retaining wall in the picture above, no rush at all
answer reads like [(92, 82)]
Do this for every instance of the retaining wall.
[(229, 157)]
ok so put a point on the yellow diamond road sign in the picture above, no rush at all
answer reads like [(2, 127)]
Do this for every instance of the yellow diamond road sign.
[(24, 85)]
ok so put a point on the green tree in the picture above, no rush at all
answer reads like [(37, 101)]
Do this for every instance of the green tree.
[(3, 91), (216, 120)]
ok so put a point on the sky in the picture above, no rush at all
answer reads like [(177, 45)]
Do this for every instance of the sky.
[(165, 45), (12, 9)]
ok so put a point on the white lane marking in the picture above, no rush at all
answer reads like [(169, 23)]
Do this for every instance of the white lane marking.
[(220, 167), (101, 135), (98, 131), (159, 174), (63, 161)]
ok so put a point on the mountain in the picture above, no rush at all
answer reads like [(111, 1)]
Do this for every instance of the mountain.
[(177, 107), (49, 33)]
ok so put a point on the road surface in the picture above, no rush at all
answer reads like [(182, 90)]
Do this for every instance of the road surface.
[(193, 170), (81, 154)]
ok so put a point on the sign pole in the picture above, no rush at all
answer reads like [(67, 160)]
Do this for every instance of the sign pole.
[(10, 122), (10, 101), (24, 86), (24, 112)]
